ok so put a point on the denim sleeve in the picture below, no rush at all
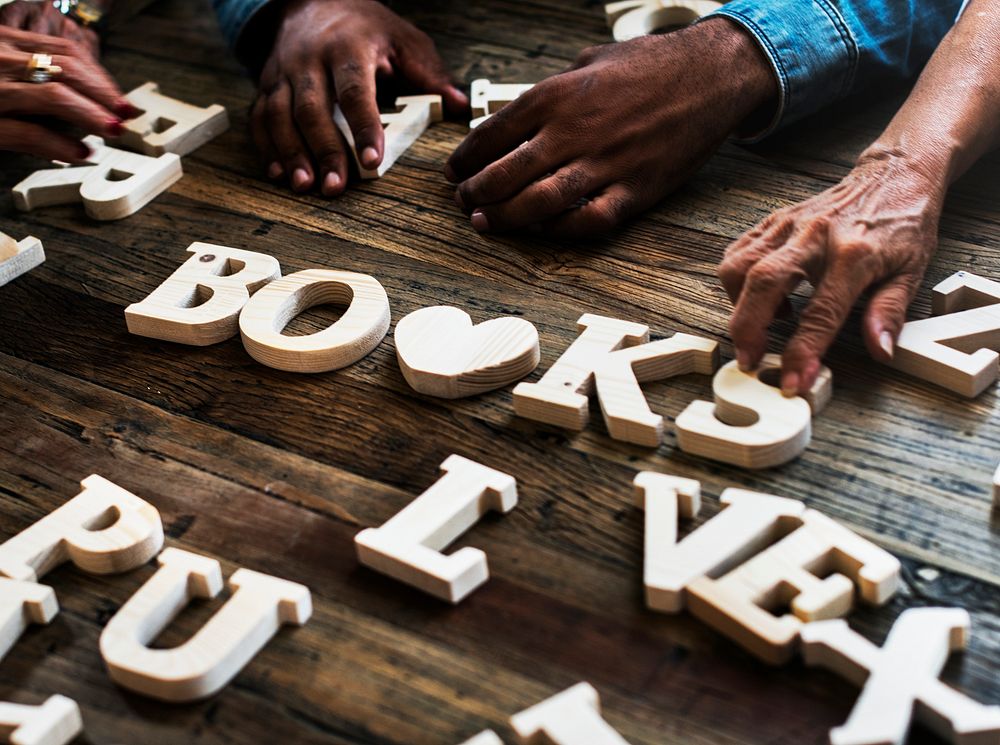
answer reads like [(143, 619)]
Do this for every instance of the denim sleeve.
[(823, 50), (234, 15)]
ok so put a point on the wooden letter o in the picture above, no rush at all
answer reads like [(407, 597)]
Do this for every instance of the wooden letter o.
[(361, 328)]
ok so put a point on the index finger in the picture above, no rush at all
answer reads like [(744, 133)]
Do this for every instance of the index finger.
[(499, 135), (355, 85)]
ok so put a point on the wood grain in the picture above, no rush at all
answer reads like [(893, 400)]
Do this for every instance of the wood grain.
[(276, 471)]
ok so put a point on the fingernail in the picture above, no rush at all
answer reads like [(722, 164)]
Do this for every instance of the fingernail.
[(886, 342), (479, 222), (331, 183), (126, 110), (743, 360), (275, 170), (369, 157), (300, 179), (449, 173), (790, 384), (459, 201), (114, 127)]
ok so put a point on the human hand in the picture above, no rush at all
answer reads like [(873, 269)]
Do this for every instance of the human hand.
[(83, 95), (622, 128), (43, 18), (330, 51), (876, 229)]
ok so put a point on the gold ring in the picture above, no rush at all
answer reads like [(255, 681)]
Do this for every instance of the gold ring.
[(40, 69)]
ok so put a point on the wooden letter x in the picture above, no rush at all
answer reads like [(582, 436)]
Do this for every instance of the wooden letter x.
[(614, 357), (200, 303), (957, 349), (901, 679), (103, 530), (22, 603), (572, 717), (56, 722), (260, 604), (408, 547), (117, 185)]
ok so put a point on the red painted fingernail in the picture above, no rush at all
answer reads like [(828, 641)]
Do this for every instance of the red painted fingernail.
[(480, 223), (115, 127), (127, 111)]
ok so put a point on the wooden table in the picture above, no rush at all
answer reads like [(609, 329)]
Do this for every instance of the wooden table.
[(277, 472)]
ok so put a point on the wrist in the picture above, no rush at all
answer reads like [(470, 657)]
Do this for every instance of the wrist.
[(919, 172), (741, 72)]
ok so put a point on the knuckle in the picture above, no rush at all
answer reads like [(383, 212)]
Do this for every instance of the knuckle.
[(763, 276)]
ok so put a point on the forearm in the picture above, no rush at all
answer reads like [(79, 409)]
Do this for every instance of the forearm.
[(952, 117)]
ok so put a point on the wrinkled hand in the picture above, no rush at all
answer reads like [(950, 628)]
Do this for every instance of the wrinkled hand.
[(82, 96), (329, 51), (43, 18), (876, 229), (620, 129)]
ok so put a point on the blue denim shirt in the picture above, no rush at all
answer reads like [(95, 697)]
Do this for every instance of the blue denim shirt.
[(821, 50)]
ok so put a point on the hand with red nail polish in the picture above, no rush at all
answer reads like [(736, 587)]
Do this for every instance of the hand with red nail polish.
[(876, 230), (327, 52), (83, 96), (43, 18)]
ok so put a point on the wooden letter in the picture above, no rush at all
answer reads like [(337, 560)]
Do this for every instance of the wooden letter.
[(903, 673), (629, 19), (204, 664), (488, 98), (614, 357), (56, 722), (402, 129), (442, 354), (168, 125), (361, 328), (22, 603), (956, 349), (18, 257), (484, 738), (102, 530), (200, 303), (119, 183), (751, 424), (748, 604), (408, 547), (572, 717), (749, 523)]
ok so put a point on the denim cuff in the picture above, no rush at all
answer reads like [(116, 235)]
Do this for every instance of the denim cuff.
[(810, 47), (234, 15)]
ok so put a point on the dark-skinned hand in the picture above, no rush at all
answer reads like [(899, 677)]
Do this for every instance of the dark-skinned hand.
[(623, 127), (332, 51)]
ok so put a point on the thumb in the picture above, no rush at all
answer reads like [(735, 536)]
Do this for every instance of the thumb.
[(425, 69), (886, 314)]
